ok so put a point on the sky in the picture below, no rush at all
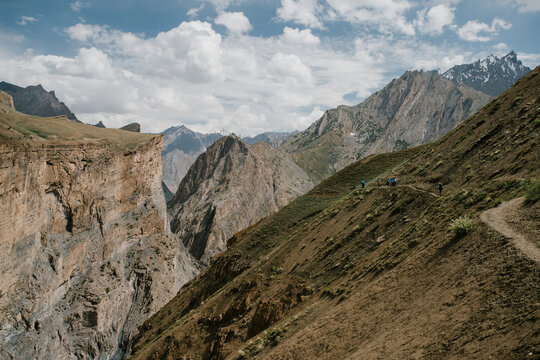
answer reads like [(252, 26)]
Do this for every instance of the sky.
[(245, 66)]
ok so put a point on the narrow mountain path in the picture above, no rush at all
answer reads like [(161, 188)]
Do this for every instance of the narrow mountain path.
[(496, 219), (409, 186)]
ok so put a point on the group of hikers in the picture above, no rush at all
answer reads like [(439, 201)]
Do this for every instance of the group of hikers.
[(393, 182), (389, 182)]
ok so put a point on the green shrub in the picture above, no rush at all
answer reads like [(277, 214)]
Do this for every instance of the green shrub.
[(462, 225), (537, 122), (496, 105), (533, 192), (469, 177)]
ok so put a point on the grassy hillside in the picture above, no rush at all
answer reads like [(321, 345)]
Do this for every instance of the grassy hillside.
[(345, 272), (15, 126)]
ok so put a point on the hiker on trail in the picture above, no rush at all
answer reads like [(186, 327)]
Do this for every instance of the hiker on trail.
[(388, 182), (378, 182), (363, 184), (393, 181), (441, 187)]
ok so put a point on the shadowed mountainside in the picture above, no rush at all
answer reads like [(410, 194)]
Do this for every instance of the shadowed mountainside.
[(34, 100), (346, 272)]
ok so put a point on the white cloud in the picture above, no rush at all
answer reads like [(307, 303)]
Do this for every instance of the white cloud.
[(26, 20), (524, 6), (305, 12), (290, 70), (478, 31), (434, 20), (385, 15), (297, 36), (192, 75), (221, 5), (235, 22), (194, 12), (79, 5), (530, 60)]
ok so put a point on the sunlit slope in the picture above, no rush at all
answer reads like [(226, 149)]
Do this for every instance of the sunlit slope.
[(345, 272)]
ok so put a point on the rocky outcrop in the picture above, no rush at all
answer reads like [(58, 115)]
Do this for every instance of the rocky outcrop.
[(230, 187), (417, 108), (6, 100), (133, 127), (87, 253), (491, 76), (34, 100), (100, 125), (181, 148)]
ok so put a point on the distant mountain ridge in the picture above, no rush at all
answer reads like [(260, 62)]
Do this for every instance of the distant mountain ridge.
[(491, 75), (273, 138), (34, 100), (230, 187), (181, 148), (417, 108)]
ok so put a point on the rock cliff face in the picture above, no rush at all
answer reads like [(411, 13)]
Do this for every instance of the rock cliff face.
[(34, 100), (491, 75), (417, 108), (181, 149), (6, 100), (230, 187), (85, 245)]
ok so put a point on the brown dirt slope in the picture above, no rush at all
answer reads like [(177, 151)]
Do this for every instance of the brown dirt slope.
[(351, 273)]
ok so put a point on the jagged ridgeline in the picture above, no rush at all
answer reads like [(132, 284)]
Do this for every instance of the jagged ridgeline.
[(417, 108), (34, 100), (346, 272), (86, 249)]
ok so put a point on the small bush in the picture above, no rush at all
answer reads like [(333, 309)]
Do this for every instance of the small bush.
[(461, 226), (496, 105), (533, 192), (537, 122), (469, 177)]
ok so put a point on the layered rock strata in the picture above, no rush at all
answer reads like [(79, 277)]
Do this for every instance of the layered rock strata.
[(85, 247)]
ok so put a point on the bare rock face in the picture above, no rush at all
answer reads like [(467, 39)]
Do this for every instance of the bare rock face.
[(181, 149), (7, 100), (85, 247), (230, 187), (417, 108), (34, 100)]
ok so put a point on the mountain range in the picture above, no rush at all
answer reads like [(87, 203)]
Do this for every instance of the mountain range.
[(249, 260), (491, 76), (391, 272), (417, 108)]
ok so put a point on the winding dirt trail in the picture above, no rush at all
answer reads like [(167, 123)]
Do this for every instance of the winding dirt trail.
[(496, 218)]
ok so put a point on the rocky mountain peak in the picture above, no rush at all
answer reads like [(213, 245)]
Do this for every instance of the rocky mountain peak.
[(416, 108), (35, 100), (229, 187), (491, 75)]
